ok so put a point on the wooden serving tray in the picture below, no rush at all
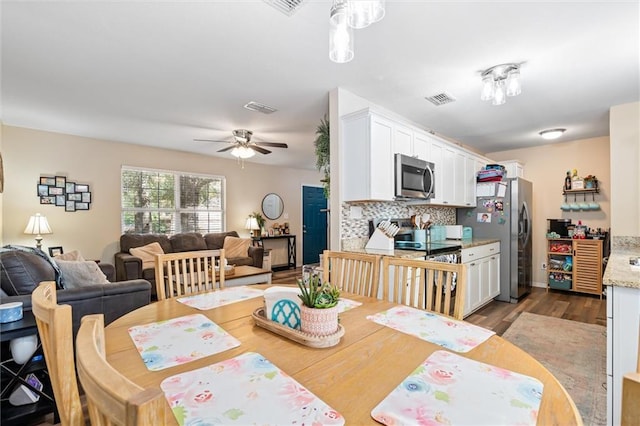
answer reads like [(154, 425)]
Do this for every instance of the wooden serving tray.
[(297, 335)]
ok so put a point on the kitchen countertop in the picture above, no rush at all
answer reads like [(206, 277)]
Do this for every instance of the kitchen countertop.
[(619, 272), (411, 254)]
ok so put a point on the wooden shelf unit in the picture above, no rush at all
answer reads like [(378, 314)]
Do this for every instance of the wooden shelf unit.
[(585, 275)]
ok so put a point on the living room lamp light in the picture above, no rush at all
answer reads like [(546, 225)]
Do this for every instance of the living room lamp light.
[(500, 81), (252, 224), (37, 226)]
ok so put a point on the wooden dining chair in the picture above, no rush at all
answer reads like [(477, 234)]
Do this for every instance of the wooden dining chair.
[(183, 273), (113, 399), (356, 273), (425, 284), (55, 329), (630, 414)]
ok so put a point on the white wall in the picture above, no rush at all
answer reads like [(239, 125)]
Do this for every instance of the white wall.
[(624, 124), (28, 154)]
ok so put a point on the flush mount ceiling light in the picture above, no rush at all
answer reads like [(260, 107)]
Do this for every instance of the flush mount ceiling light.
[(552, 133), (499, 82), (345, 15)]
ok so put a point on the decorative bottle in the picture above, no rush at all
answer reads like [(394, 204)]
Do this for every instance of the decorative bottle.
[(567, 181)]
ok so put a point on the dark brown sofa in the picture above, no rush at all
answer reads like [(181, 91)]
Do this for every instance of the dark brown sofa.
[(130, 267), (22, 271)]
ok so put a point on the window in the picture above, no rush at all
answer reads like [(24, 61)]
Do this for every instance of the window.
[(166, 202)]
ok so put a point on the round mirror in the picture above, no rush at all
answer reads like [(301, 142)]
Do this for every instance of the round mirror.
[(272, 206)]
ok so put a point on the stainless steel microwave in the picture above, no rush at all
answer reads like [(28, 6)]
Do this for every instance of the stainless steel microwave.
[(414, 178)]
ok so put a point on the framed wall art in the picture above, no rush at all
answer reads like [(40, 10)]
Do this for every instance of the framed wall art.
[(58, 191)]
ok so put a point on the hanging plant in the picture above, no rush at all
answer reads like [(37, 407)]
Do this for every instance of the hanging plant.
[(322, 144)]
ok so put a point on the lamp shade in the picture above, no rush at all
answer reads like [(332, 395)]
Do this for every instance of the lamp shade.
[(37, 225), (252, 223)]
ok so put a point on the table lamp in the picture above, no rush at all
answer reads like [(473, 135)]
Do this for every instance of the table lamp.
[(38, 225), (252, 224)]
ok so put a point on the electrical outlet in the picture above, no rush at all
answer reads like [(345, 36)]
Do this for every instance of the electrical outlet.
[(544, 266)]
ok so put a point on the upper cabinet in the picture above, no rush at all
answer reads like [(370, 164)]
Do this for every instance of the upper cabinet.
[(369, 142), (367, 157)]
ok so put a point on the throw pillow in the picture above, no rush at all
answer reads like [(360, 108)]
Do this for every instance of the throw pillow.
[(236, 247), (147, 254), (73, 255), (78, 274)]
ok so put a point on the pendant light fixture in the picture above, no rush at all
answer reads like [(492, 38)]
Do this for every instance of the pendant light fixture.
[(346, 15), (362, 13), (340, 33), (500, 81)]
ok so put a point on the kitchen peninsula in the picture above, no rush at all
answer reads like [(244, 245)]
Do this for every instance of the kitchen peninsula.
[(623, 320)]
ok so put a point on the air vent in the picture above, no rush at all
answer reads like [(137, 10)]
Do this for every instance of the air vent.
[(288, 7), (256, 106), (441, 99)]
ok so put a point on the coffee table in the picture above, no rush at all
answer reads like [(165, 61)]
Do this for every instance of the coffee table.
[(245, 275)]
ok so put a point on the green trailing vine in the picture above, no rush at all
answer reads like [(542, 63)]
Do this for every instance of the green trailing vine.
[(322, 144)]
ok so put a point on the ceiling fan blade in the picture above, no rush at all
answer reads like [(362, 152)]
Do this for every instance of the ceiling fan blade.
[(212, 140), (227, 148), (273, 144), (260, 150)]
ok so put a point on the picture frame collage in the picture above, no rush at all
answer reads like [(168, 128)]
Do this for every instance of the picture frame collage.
[(58, 191)]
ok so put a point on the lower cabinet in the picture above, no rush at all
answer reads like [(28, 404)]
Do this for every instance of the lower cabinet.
[(483, 275)]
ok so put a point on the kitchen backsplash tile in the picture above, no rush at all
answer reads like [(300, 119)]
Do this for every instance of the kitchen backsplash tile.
[(358, 229)]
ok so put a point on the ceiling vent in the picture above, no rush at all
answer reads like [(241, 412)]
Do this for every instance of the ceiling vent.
[(256, 106), (288, 7), (441, 99)]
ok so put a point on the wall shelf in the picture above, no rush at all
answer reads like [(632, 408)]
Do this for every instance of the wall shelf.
[(581, 191)]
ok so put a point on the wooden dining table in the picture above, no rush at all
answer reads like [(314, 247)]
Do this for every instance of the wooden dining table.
[(352, 377)]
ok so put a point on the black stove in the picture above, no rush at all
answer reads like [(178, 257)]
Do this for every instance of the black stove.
[(439, 247)]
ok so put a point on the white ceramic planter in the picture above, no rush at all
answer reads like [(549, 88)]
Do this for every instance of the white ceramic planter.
[(319, 322)]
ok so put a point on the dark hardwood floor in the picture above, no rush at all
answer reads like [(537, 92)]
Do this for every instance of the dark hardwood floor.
[(498, 316)]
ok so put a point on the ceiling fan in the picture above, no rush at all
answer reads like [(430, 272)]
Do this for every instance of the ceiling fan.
[(243, 146)]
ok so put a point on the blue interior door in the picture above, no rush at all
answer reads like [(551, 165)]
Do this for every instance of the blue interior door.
[(314, 224)]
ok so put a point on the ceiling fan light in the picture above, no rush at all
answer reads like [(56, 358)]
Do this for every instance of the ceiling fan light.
[(552, 133), (242, 152)]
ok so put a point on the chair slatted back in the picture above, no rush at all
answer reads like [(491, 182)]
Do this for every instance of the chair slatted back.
[(355, 273), (113, 399), (179, 274), (425, 284), (55, 329)]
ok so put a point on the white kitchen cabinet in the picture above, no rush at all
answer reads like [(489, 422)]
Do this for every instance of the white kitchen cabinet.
[(483, 275), (623, 320), (367, 157), (514, 168), (421, 143), (402, 140), (472, 164)]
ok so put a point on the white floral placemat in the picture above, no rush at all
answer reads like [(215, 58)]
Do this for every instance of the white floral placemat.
[(449, 389), (214, 299), (346, 304), (180, 340), (244, 390), (447, 332)]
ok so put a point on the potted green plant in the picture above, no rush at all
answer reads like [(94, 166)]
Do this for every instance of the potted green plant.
[(322, 144), (319, 311), (260, 221)]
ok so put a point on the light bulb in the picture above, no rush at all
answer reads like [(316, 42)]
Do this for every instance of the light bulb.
[(487, 88), (499, 96), (340, 35), (513, 83)]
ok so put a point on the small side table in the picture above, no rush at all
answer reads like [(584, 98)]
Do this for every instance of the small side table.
[(13, 374)]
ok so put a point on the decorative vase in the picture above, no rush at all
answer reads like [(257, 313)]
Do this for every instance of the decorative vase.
[(319, 322)]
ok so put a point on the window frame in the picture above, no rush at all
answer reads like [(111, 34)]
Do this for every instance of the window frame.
[(176, 210)]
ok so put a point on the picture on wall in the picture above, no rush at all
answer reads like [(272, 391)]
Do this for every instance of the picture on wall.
[(58, 191)]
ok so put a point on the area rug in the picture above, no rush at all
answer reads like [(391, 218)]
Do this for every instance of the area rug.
[(574, 352)]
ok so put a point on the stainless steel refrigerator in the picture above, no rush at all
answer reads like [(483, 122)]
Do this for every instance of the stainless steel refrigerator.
[(503, 211)]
